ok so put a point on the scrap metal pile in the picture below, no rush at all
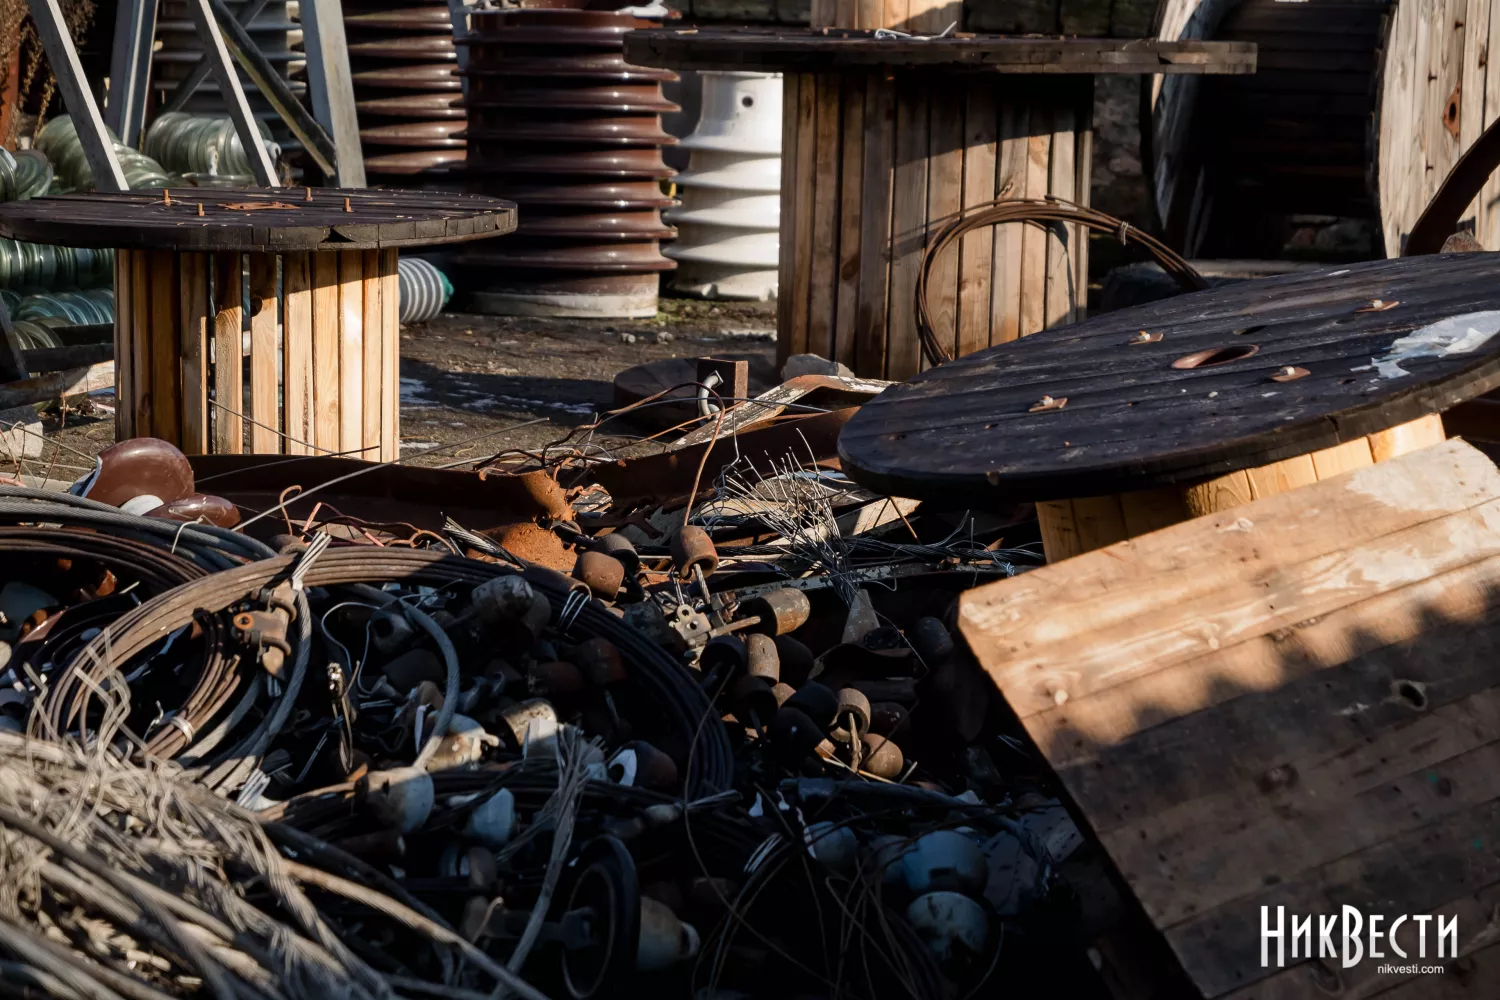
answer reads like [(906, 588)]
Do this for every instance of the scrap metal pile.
[(722, 744)]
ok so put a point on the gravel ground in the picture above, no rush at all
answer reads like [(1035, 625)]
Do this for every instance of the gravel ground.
[(466, 378)]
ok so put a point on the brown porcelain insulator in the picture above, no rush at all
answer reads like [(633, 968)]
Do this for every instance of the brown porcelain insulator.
[(559, 121), (403, 62)]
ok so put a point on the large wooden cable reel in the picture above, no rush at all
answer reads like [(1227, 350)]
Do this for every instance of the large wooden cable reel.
[(1359, 109)]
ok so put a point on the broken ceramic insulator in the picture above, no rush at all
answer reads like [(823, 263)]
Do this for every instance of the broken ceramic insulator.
[(693, 550), (764, 662), (601, 573), (780, 611)]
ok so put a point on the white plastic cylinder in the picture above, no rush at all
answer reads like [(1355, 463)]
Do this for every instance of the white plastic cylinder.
[(729, 223)]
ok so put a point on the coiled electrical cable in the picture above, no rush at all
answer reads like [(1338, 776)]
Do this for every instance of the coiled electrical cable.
[(206, 544), (667, 682)]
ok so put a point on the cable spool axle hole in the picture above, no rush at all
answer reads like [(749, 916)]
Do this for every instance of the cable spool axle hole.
[(1216, 356)]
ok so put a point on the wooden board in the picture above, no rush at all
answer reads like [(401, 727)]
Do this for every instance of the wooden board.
[(265, 372), (296, 219), (325, 352), (229, 353), (297, 353), (197, 416), (965, 431), (809, 50), (1292, 704)]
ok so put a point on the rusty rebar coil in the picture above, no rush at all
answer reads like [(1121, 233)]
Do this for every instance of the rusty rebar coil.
[(1039, 212)]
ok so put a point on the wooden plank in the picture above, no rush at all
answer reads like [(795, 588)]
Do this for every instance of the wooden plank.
[(976, 250), (265, 370), (1033, 239), (1059, 529), (945, 199), (851, 187), (786, 336), (824, 221), (1083, 179), (390, 341), (57, 385), (1489, 196), (1222, 493), (229, 354), (875, 226), (124, 348), (140, 342), (908, 224), (1050, 639), (1408, 437), (1010, 182), (325, 314), (351, 349), (166, 361), (1476, 34), (297, 353), (1061, 239), (1292, 704), (1279, 477), (804, 197), (374, 356), (196, 419)]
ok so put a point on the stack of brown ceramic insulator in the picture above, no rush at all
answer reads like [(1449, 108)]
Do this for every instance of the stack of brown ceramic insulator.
[(560, 124), (402, 57)]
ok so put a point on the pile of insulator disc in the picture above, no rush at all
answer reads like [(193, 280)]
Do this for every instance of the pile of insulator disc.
[(411, 117), (560, 124)]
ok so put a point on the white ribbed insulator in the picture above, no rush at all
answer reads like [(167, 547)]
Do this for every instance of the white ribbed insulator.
[(424, 289), (730, 220)]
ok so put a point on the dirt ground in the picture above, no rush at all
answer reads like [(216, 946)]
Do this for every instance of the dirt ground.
[(465, 379)]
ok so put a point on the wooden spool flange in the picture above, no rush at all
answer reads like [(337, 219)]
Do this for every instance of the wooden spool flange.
[(885, 140), (1191, 405), (308, 274)]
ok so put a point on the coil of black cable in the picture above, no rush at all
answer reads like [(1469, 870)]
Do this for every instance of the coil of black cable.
[(669, 682)]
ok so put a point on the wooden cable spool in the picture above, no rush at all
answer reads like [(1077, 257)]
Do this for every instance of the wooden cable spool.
[(1360, 108), (1232, 158), (311, 275), (886, 140), (1144, 417)]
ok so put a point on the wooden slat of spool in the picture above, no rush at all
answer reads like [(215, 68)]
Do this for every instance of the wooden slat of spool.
[(908, 222), (264, 371), (196, 419), (390, 345), (297, 353), (802, 107), (945, 196), (351, 349), (1012, 154), (166, 361), (823, 272), (140, 341), (325, 320), (124, 350), (1072, 527), (229, 427), (874, 227), (851, 187), (375, 336), (976, 250)]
